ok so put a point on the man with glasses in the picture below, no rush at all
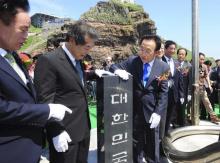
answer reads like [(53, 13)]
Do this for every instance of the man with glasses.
[(60, 78), (150, 89)]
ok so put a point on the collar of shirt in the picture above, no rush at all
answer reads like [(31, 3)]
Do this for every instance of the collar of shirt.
[(150, 63), (168, 59), (3, 52), (73, 60)]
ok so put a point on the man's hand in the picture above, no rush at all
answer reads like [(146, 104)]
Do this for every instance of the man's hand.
[(122, 74), (189, 97), (61, 141), (57, 111), (154, 120), (100, 73), (182, 100)]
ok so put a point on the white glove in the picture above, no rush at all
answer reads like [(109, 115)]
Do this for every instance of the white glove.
[(100, 73), (154, 120), (181, 100), (122, 74), (170, 83), (61, 141), (57, 111), (189, 97)]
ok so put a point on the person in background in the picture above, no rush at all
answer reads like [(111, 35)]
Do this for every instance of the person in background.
[(175, 83), (60, 78), (107, 63), (204, 78), (214, 77), (22, 120), (150, 93), (183, 66), (161, 51)]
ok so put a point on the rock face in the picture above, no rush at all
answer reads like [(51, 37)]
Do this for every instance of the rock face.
[(119, 26)]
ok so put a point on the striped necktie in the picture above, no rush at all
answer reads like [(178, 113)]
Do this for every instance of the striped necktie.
[(14, 65)]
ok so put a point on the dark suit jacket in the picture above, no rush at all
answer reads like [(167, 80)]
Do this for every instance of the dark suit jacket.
[(153, 97), (57, 81), (21, 120), (178, 87), (185, 73)]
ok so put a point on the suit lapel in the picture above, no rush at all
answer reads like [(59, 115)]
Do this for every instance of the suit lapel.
[(138, 72), (4, 65), (70, 67)]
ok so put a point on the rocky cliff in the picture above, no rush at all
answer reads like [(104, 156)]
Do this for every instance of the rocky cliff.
[(119, 26)]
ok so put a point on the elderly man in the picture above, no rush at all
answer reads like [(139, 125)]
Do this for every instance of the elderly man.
[(150, 94)]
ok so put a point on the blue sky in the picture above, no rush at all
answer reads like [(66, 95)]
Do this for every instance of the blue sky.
[(172, 18)]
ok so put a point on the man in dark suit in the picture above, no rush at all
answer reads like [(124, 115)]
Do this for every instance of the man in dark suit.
[(59, 78), (150, 96), (21, 119), (175, 84), (183, 66)]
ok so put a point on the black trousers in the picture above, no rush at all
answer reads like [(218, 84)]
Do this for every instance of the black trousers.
[(171, 112), (146, 140), (77, 153)]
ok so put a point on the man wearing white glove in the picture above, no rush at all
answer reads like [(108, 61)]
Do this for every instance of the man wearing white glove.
[(189, 98), (22, 119), (150, 96), (122, 74), (100, 73), (154, 120), (182, 101), (175, 113), (60, 79), (57, 111), (61, 141)]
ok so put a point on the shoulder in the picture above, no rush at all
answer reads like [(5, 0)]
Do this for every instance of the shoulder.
[(52, 55), (161, 63)]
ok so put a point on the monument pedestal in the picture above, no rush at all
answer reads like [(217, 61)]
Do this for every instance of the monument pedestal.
[(114, 119)]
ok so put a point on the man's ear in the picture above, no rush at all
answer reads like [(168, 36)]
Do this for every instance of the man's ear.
[(72, 40)]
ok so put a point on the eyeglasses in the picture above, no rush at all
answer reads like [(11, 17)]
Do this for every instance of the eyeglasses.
[(145, 51)]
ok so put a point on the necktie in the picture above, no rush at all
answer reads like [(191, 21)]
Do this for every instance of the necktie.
[(79, 70), (15, 66), (145, 73)]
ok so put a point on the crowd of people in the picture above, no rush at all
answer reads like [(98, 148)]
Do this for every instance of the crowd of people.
[(36, 92)]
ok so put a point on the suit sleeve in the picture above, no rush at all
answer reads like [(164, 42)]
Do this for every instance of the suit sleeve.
[(45, 79), (25, 114), (124, 65), (180, 85)]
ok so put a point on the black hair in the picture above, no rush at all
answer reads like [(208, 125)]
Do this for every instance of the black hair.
[(181, 49), (208, 63), (201, 54), (79, 30), (152, 37), (8, 9), (168, 43)]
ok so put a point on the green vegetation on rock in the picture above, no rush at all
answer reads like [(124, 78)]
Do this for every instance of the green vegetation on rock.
[(130, 6), (113, 12), (33, 29)]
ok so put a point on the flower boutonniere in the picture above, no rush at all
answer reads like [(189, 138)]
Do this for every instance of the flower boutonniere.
[(26, 60), (163, 76), (184, 70)]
